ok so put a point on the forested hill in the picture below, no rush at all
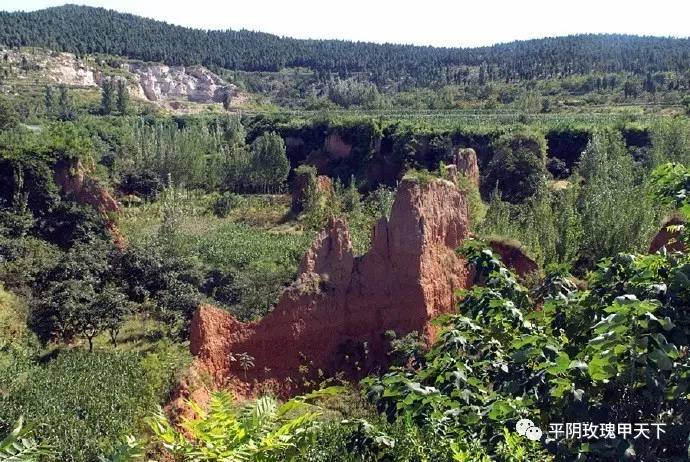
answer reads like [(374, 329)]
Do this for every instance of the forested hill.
[(82, 30)]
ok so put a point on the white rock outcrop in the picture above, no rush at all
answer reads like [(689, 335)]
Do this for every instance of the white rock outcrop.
[(159, 82), (168, 86), (68, 70)]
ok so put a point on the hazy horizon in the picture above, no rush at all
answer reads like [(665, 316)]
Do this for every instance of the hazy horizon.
[(438, 24)]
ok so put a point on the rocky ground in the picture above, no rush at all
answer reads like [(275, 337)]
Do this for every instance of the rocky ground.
[(179, 88)]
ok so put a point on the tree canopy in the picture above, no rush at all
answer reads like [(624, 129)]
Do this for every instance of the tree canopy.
[(82, 30)]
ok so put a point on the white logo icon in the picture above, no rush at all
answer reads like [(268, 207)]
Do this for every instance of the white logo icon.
[(526, 428), (533, 433)]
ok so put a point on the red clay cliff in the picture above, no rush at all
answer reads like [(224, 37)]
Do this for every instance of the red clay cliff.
[(75, 183), (333, 318), (514, 257), (667, 237)]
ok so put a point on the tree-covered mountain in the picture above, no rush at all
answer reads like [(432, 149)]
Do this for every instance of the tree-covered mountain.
[(83, 30)]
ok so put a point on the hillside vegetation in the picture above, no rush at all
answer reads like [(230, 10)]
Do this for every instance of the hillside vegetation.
[(118, 219), (85, 30), (532, 76)]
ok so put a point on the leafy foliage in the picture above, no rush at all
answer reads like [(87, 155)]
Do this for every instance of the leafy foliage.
[(548, 224), (261, 430), (614, 351), (616, 208), (8, 115), (671, 183), (518, 168), (144, 183), (671, 141), (128, 451), (19, 446), (269, 164), (606, 207)]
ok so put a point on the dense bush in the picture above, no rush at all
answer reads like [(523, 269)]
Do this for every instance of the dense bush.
[(605, 208), (8, 115), (144, 183), (611, 353), (346, 93), (671, 141), (372, 440), (210, 156), (168, 151), (548, 224), (224, 204), (518, 168), (269, 166), (617, 209), (262, 430)]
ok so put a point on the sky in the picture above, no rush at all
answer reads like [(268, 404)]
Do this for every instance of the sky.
[(454, 23)]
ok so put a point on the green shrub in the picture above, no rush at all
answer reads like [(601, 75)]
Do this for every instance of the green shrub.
[(612, 352), (670, 186), (671, 141), (372, 439), (608, 207), (262, 430), (8, 115), (269, 166), (144, 183), (518, 166), (306, 179), (616, 205), (548, 224), (224, 205)]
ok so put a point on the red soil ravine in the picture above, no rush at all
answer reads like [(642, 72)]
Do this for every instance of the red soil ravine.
[(333, 319)]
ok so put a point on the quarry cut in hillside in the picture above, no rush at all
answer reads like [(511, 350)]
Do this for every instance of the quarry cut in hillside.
[(157, 82), (333, 319), (166, 86)]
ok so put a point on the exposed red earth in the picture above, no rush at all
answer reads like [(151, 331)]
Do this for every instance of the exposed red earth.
[(75, 183), (514, 257), (333, 319), (668, 238)]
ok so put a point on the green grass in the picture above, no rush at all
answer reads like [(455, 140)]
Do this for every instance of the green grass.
[(253, 250), (253, 234), (83, 404)]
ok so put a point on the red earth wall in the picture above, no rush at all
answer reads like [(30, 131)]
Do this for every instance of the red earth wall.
[(73, 181), (668, 238), (334, 317)]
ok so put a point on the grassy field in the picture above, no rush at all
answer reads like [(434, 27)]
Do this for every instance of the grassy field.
[(254, 250)]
